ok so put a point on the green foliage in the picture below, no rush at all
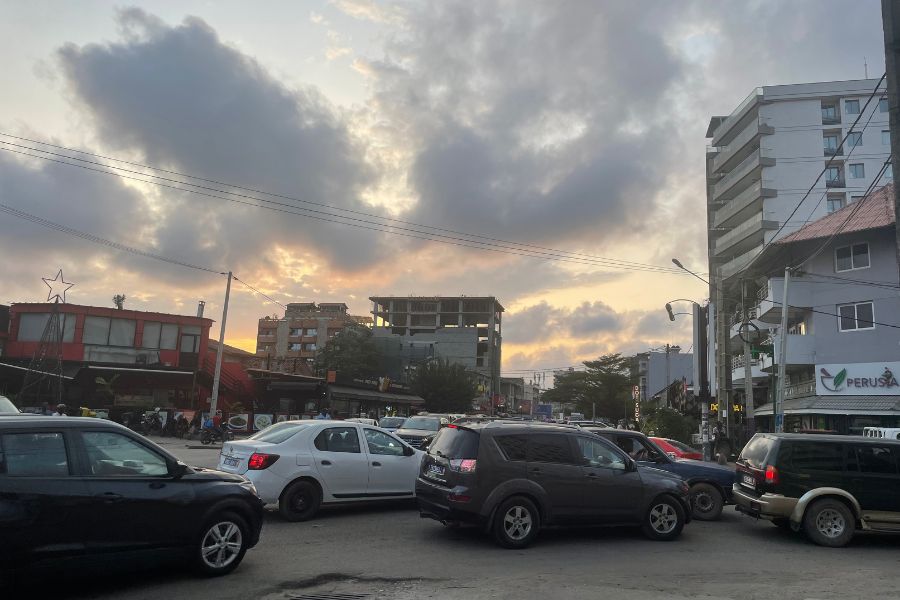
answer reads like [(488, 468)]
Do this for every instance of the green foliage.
[(445, 387), (606, 382), (668, 423), (351, 353)]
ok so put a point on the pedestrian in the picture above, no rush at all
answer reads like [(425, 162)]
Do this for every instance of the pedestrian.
[(60, 411), (323, 415)]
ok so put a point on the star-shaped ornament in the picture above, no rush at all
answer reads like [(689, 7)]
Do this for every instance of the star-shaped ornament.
[(58, 288)]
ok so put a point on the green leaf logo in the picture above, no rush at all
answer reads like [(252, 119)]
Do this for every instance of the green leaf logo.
[(839, 378)]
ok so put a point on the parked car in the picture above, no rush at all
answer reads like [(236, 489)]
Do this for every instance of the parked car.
[(363, 420), (417, 429), (513, 479), (7, 407), (828, 486), (710, 483), (302, 465), (676, 449), (73, 487), (391, 423)]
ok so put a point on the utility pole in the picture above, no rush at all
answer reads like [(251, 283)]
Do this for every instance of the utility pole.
[(748, 368), (890, 19), (215, 390), (778, 413), (700, 321), (668, 375)]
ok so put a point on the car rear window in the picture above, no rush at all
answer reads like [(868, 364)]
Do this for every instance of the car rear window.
[(275, 434), (755, 452), (453, 442)]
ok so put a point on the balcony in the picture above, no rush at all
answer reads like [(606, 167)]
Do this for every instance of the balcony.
[(747, 170), (742, 144), (261, 338), (801, 349), (750, 231), (831, 119), (736, 343), (737, 371), (800, 295), (738, 263), (837, 182), (832, 152), (736, 116), (800, 390), (750, 200)]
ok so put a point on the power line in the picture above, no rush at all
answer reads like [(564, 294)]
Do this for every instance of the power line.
[(263, 294), (537, 250)]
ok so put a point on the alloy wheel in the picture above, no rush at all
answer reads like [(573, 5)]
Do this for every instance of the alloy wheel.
[(517, 523), (830, 523), (663, 518), (221, 545)]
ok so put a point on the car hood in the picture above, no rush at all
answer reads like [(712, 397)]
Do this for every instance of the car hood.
[(417, 432), (204, 474), (655, 473), (708, 466)]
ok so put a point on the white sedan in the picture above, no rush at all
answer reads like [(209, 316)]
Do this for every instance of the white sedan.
[(301, 465)]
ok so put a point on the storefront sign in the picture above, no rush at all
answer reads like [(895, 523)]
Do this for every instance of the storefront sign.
[(858, 379)]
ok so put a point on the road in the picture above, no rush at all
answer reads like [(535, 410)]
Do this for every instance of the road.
[(388, 552)]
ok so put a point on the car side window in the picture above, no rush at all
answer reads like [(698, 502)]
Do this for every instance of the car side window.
[(633, 447), (39, 454), (598, 454), (338, 439), (382, 443), (876, 460), (112, 454), (514, 447), (550, 448), (817, 456)]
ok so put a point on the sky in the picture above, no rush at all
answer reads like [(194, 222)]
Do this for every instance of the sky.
[(477, 131)]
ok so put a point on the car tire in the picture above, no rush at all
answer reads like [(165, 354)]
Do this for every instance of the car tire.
[(664, 519), (828, 522), (707, 502), (516, 522), (300, 501), (221, 545)]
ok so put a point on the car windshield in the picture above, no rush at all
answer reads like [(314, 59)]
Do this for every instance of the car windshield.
[(756, 450), (391, 421), (423, 423), (6, 405), (279, 432), (681, 446)]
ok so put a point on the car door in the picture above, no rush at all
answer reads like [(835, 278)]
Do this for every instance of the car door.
[(612, 493), (340, 461), (138, 503), (873, 477), (392, 472), (44, 507), (552, 464)]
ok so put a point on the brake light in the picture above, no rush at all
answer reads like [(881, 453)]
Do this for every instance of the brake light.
[(452, 426), (259, 461), (771, 475), (463, 465)]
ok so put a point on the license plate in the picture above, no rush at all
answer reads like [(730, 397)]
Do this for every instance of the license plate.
[(436, 470), (231, 462), (748, 480)]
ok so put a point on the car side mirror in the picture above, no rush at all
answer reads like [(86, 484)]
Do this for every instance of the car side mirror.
[(178, 470), (630, 466), (407, 451), (425, 443)]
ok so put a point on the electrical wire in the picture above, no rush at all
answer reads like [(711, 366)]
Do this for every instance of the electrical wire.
[(263, 294), (531, 248)]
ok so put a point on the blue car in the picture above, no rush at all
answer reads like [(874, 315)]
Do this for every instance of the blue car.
[(710, 483)]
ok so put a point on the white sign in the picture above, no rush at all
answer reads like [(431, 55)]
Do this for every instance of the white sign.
[(858, 379)]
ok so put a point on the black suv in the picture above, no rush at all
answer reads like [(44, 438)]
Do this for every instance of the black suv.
[(515, 478), (74, 488), (710, 483), (827, 485)]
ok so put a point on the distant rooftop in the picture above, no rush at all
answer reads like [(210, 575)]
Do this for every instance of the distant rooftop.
[(871, 212)]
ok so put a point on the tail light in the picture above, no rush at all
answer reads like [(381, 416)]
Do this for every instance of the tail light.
[(259, 461), (463, 465), (771, 475)]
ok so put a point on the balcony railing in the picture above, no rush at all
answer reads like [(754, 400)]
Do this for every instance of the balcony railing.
[(727, 153), (744, 199), (762, 157), (754, 224), (831, 119), (833, 152), (736, 115), (837, 182), (799, 390), (738, 263)]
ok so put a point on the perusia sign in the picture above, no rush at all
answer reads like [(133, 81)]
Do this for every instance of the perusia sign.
[(858, 379)]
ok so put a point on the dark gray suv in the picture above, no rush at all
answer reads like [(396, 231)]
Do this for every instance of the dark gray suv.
[(513, 479)]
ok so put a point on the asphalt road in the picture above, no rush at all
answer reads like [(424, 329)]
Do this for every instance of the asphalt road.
[(388, 552)]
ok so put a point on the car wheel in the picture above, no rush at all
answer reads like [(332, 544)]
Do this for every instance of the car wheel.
[(222, 544), (664, 520), (300, 501), (829, 523), (516, 522), (707, 502)]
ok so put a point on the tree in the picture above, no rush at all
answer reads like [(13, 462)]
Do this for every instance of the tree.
[(351, 353), (605, 383), (668, 423), (119, 301), (445, 387)]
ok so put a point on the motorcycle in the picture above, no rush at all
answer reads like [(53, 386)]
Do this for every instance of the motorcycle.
[(208, 436), (151, 424)]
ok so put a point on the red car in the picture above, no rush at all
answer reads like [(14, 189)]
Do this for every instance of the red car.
[(676, 449)]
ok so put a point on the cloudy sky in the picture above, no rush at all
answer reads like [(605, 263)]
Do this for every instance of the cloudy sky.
[(562, 127)]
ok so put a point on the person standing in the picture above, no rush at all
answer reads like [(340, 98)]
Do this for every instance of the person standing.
[(60, 411)]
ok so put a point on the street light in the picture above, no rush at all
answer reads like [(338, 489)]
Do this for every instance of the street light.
[(678, 264), (669, 306)]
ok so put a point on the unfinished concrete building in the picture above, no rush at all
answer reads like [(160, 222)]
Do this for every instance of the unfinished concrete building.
[(461, 329)]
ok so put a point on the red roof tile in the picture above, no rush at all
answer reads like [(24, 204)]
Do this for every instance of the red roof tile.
[(874, 211)]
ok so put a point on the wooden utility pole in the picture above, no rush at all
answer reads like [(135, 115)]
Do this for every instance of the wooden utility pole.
[(890, 18)]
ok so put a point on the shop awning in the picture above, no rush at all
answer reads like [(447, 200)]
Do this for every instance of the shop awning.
[(341, 391), (836, 405), (292, 386)]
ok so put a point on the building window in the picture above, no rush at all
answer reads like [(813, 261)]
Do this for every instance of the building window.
[(856, 197), (479, 362), (835, 202), (830, 143), (295, 347), (32, 326), (309, 347), (857, 171), (296, 331), (854, 138), (168, 337), (885, 137), (832, 174), (851, 107), (829, 113), (312, 332), (883, 105), (856, 316), (848, 258)]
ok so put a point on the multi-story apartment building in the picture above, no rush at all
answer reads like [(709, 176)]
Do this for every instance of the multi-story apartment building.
[(462, 329), (762, 160), (842, 356), (658, 368), (290, 343)]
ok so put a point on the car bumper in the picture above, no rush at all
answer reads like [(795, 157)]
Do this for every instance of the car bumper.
[(434, 503), (268, 484), (766, 506)]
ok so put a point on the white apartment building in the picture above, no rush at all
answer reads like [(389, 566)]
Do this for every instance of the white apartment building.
[(762, 160)]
